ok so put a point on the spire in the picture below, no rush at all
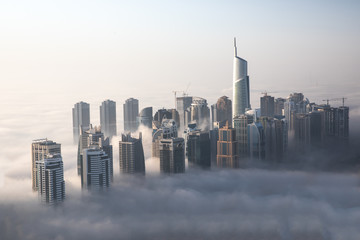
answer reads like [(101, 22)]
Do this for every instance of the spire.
[(235, 49)]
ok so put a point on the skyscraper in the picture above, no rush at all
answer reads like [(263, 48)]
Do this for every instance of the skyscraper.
[(267, 106), (93, 137), (131, 111), (279, 106), (50, 173), (241, 93), (108, 118), (96, 169), (168, 129), (227, 148), (145, 117), (131, 155), (221, 111), (198, 148), (163, 113), (81, 119), (40, 148), (182, 104), (241, 127), (172, 155), (256, 138), (198, 113)]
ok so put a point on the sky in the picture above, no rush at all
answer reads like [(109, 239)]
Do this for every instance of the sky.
[(56, 53)]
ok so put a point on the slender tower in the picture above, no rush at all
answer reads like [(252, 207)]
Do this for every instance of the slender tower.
[(241, 94)]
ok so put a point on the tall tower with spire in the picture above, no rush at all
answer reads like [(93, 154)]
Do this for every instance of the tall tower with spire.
[(241, 93)]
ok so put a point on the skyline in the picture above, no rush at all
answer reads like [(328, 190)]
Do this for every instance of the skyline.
[(56, 54)]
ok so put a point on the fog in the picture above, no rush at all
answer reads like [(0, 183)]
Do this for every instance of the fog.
[(297, 199)]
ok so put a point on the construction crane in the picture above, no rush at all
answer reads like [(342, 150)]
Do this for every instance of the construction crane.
[(336, 99)]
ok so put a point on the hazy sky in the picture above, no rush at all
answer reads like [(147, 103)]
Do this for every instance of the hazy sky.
[(56, 53)]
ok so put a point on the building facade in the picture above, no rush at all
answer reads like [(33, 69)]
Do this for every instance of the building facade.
[(81, 119), (131, 111), (221, 111), (198, 148), (108, 118), (267, 106), (50, 173), (131, 155), (145, 117), (40, 148), (227, 153), (172, 155)]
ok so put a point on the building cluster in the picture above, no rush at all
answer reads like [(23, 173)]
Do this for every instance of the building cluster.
[(228, 134)]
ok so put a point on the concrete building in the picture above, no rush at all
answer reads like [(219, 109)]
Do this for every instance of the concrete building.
[(81, 119), (172, 155), (40, 148), (227, 153), (241, 92), (131, 155), (108, 118), (163, 113), (198, 148), (145, 117), (221, 111), (267, 106), (96, 173), (50, 173), (240, 124), (294, 104), (131, 111)]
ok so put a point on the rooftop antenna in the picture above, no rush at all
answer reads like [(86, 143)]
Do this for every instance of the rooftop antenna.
[(235, 49)]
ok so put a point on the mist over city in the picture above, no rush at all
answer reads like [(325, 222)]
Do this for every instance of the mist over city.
[(180, 120)]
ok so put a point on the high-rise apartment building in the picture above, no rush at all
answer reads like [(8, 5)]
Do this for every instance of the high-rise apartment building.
[(267, 106), (90, 138), (279, 106), (198, 113), (168, 129), (163, 113), (39, 150), (221, 111), (81, 119), (131, 155), (145, 117), (96, 173), (227, 153), (131, 111), (50, 173), (241, 93), (172, 155), (108, 118)]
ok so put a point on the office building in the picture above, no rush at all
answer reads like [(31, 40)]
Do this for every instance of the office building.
[(50, 173), (241, 93), (131, 155), (96, 169), (221, 111), (108, 118), (198, 148), (131, 111), (267, 106), (172, 155), (240, 124), (145, 117), (81, 119), (163, 113), (40, 148), (256, 138)]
